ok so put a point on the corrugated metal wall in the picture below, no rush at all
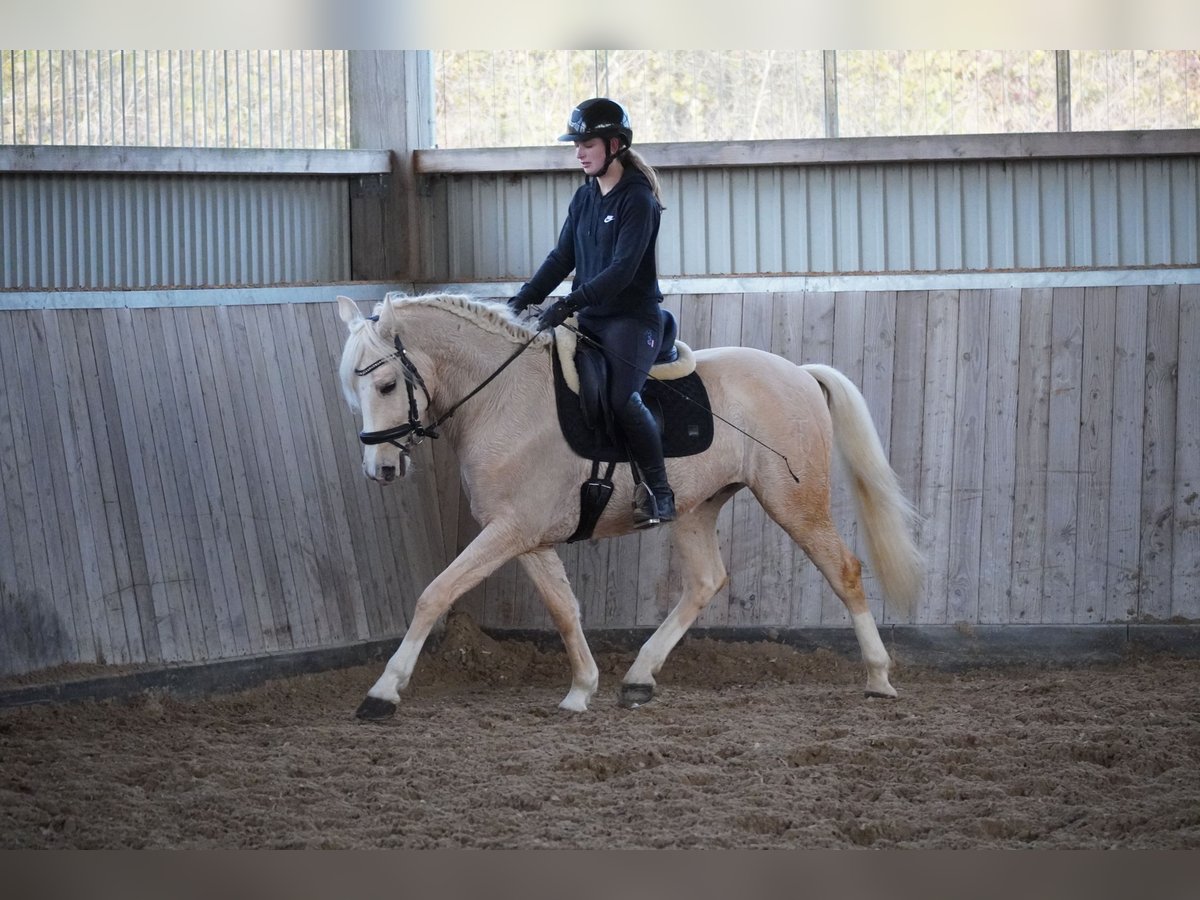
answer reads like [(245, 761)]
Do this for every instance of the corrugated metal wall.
[(140, 231), (904, 217), (106, 231)]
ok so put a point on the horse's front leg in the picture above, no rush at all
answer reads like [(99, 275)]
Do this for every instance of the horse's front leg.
[(493, 547), (545, 569)]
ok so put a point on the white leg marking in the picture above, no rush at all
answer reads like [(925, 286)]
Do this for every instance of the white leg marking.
[(874, 654)]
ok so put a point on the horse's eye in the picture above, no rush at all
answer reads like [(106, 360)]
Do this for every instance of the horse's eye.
[(387, 388)]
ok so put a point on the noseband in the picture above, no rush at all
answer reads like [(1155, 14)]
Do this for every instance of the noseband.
[(412, 431)]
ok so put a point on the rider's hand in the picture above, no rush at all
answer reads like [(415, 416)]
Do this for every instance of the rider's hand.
[(556, 314)]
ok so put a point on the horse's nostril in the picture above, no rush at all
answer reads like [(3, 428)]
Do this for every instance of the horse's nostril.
[(388, 473)]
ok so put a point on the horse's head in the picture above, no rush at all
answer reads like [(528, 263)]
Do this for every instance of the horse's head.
[(380, 378)]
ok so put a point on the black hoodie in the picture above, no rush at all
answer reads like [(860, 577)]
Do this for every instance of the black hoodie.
[(608, 240)]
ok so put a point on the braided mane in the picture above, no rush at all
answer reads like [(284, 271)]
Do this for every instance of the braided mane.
[(494, 317)]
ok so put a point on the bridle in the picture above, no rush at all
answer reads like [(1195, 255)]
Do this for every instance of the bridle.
[(413, 430), (409, 435)]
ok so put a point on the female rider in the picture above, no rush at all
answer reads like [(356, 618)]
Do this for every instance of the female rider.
[(609, 241)]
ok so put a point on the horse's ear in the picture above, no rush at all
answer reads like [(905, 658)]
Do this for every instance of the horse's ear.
[(387, 309), (349, 311)]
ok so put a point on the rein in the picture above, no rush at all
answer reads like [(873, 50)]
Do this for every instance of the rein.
[(413, 431)]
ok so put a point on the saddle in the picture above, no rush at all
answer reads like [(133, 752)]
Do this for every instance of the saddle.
[(674, 393)]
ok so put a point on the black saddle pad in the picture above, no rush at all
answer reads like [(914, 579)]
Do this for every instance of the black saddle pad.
[(680, 406)]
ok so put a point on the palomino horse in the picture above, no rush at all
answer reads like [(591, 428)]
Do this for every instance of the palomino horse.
[(421, 357)]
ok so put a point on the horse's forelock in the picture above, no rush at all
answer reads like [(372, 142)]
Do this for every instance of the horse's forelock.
[(363, 345)]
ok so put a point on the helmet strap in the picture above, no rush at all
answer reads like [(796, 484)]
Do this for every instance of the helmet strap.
[(609, 156)]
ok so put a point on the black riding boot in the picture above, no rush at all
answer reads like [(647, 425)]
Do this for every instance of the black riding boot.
[(653, 499)]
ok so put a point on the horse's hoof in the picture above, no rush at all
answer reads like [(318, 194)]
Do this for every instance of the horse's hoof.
[(634, 695), (373, 709), (879, 694)]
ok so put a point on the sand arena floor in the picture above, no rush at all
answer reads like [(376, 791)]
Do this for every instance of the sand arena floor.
[(747, 746)]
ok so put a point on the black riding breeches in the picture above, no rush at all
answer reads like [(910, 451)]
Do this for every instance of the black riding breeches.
[(630, 347)]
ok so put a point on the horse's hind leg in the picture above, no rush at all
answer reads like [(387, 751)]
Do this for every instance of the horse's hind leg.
[(699, 551), (842, 569), (550, 578)]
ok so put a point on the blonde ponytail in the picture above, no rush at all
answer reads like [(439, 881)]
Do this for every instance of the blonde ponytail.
[(633, 158)]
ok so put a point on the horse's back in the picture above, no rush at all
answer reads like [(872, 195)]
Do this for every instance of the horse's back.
[(766, 374)]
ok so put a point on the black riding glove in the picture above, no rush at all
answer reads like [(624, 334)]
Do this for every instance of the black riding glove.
[(519, 302), (557, 313)]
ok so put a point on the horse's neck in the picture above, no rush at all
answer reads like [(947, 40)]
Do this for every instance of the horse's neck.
[(463, 365)]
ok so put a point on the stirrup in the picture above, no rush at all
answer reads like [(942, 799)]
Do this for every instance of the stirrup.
[(645, 509), (649, 509)]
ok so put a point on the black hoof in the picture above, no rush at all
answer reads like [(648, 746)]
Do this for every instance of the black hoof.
[(635, 695), (374, 709)]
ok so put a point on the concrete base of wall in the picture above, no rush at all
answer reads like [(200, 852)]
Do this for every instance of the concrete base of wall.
[(950, 648)]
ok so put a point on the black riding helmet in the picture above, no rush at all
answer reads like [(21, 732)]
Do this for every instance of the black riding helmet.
[(600, 118)]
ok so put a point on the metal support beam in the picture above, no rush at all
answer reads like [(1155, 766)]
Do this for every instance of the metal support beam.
[(829, 63), (1062, 71)]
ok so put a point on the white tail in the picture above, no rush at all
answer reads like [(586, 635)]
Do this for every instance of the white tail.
[(887, 517)]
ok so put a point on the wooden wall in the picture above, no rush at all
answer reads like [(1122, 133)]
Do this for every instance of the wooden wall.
[(184, 483)]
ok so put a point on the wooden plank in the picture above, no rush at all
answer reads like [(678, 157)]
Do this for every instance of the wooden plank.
[(878, 380), (137, 605), (1185, 591), (89, 532), (1158, 453), (937, 443), (175, 460), (218, 559), (726, 332), (697, 312), (1062, 475), (813, 151), (44, 389), (151, 387), (1033, 434), (93, 361), (653, 594), (295, 420), (1125, 498), (908, 401), (289, 605), (210, 385), (621, 587), (850, 311), (746, 546), (969, 447), (589, 578), (28, 580), (188, 419), (779, 552), (1000, 454), (363, 546), (244, 622), (816, 347), (240, 343), (1095, 454), (339, 575)]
